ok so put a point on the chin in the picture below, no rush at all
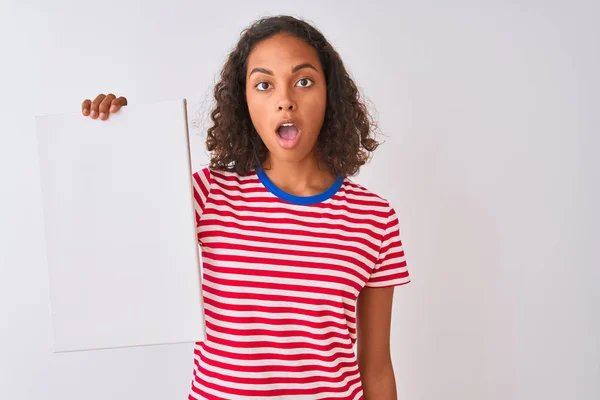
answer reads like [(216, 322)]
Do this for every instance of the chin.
[(289, 156)]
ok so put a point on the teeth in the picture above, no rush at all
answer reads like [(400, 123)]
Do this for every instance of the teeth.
[(287, 124)]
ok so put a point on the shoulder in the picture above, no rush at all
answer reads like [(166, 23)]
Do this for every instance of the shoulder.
[(208, 177), (204, 174), (381, 210), (363, 195)]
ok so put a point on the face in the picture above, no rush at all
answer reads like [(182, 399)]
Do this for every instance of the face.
[(287, 95)]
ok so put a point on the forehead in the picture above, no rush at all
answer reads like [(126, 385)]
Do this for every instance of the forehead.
[(282, 50)]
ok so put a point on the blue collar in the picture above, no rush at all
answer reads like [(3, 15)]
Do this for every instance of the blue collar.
[(304, 200)]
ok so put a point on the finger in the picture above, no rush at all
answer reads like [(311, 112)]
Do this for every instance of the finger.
[(96, 105), (85, 107), (117, 104), (105, 105)]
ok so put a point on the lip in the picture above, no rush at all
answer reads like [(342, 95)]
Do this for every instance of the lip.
[(286, 121)]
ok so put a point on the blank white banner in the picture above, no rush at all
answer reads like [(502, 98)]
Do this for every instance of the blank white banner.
[(121, 246)]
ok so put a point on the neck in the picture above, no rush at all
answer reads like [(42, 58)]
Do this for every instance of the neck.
[(307, 177)]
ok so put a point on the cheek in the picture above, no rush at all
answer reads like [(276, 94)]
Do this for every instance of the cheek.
[(259, 115), (318, 101), (317, 104), (256, 109)]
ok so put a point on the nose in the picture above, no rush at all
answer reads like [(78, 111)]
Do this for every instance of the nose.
[(286, 102), (286, 107)]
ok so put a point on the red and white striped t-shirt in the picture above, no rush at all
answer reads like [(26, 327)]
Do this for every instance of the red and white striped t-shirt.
[(281, 275)]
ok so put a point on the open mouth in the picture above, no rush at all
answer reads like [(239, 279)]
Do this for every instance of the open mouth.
[(287, 131)]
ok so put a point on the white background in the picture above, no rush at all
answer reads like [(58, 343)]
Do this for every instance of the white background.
[(491, 111)]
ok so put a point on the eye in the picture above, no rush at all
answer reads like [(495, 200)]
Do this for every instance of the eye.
[(262, 86), (305, 82)]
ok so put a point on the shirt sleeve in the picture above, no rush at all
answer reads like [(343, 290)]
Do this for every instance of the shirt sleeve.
[(201, 182), (390, 268)]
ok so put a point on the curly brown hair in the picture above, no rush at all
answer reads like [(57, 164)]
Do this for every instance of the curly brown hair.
[(346, 140)]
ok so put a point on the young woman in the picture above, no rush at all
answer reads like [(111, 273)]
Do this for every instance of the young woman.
[(299, 262)]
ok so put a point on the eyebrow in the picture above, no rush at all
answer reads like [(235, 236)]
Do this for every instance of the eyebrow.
[(294, 70)]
